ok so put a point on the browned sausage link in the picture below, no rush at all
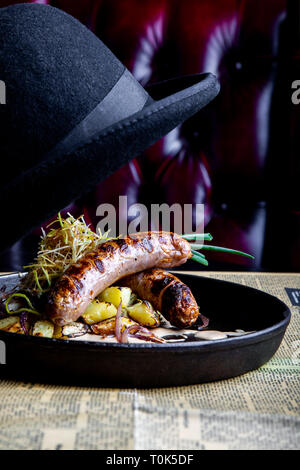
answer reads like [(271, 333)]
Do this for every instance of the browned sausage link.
[(111, 261), (166, 293)]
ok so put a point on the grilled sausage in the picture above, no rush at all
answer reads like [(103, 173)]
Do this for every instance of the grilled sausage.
[(111, 261), (171, 297)]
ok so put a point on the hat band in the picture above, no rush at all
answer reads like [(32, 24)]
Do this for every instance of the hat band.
[(125, 98)]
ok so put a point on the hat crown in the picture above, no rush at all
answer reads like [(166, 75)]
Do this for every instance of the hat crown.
[(55, 71)]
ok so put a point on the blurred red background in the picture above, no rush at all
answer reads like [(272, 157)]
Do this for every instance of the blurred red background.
[(239, 156)]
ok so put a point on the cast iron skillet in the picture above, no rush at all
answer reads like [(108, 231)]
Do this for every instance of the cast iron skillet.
[(229, 306)]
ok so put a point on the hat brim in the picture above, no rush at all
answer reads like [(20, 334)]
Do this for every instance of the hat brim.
[(39, 193)]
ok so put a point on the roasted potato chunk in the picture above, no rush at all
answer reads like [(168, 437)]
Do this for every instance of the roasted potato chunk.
[(43, 328), (8, 322), (143, 313), (115, 295), (98, 311), (74, 329), (108, 327), (16, 328)]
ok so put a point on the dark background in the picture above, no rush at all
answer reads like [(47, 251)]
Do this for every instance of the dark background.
[(240, 156)]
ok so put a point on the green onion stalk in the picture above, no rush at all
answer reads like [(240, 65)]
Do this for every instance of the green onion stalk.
[(200, 257)]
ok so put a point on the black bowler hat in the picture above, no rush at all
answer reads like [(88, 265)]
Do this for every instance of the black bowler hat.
[(73, 114)]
